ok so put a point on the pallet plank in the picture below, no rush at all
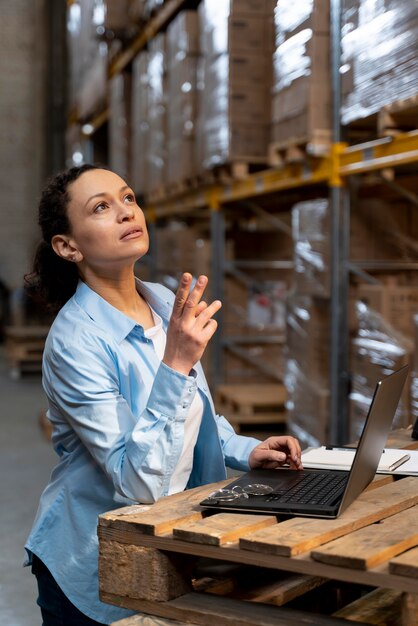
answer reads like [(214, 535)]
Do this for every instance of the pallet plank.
[(283, 591), (209, 610), (405, 564), (269, 587), (373, 544), (380, 607), (159, 518), (221, 528), (141, 619), (297, 535)]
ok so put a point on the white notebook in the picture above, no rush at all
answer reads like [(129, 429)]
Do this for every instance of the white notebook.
[(327, 457)]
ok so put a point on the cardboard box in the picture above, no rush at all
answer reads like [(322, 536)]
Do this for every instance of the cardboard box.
[(238, 369), (308, 405), (308, 336), (181, 249), (120, 124), (183, 35), (238, 103), (291, 18), (311, 238), (370, 360), (241, 69), (396, 303), (301, 101), (251, 7), (117, 16), (140, 123), (238, 34), (180, 160)]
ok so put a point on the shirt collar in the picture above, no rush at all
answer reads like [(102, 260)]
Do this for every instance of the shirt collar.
[(110, 319)]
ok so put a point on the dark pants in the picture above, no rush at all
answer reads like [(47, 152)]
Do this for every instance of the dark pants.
[(56, 609)]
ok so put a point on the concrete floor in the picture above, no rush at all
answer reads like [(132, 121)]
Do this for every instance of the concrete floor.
[(26, 460)]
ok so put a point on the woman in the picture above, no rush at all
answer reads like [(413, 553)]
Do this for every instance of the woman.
[(132, 415)]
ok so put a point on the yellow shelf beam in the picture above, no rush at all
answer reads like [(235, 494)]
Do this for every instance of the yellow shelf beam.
[(343, 161), (380, 154)]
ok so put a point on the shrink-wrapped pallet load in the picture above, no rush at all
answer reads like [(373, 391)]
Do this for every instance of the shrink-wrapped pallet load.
[(235, 81)]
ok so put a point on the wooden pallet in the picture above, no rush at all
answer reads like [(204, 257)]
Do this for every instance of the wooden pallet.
[(24, 348), (276, 572), (299, 149), (392, 119), (253, 404), (399, 117), (238, 169), (156, 195), (182, 187)]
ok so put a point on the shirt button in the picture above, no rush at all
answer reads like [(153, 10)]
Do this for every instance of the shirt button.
[(190, 389), (185, 405)]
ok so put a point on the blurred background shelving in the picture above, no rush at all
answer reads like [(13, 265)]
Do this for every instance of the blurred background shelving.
[(273, 146)]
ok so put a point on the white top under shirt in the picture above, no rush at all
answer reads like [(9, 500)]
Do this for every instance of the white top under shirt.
[(182, 472)]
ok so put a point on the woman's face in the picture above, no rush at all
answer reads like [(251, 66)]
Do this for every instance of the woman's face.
[(107, 226)]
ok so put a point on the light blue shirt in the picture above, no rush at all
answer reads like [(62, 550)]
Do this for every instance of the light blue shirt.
[(118, 418)]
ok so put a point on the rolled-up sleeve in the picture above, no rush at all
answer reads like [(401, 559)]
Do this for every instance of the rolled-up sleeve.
[(138, 453)]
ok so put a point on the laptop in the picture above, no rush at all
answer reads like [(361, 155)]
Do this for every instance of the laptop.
[(318, 492)]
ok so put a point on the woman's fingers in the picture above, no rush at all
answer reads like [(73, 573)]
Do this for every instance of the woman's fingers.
[(187, 300), (194, 297), (207, 313), (182, 294)]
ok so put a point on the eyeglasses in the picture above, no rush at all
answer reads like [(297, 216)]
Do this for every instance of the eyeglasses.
[(237, 492)]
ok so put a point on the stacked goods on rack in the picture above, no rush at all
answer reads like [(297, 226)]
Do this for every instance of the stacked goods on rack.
[(88, 59), (308, 323), (143, 9), (180, 247), (236, 45), (91, 29), (253, 311), (301, 106), (119, 124), (377, 350), (382, 325), (183, 58), (157, 114), (374, 73), (140, 123), (381, 336)]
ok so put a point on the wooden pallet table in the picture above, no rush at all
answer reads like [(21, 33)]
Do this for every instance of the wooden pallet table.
[(24, 347), (150, 554), (252, 403)]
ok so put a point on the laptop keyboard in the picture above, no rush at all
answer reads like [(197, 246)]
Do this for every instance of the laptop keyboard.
[(312, 489)]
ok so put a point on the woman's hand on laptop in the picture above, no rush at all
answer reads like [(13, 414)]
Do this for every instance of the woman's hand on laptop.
[(275, 452)]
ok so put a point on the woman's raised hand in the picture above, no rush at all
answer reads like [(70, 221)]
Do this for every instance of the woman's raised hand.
[(191, 325)]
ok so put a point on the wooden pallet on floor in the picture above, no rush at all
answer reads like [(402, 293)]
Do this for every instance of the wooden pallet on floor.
[(299, 149), (24, 348), (255, 404)]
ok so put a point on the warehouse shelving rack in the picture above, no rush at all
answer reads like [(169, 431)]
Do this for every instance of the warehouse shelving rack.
[(332, 170)]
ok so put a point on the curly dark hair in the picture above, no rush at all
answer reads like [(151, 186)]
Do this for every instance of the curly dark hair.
[(53, 279)]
